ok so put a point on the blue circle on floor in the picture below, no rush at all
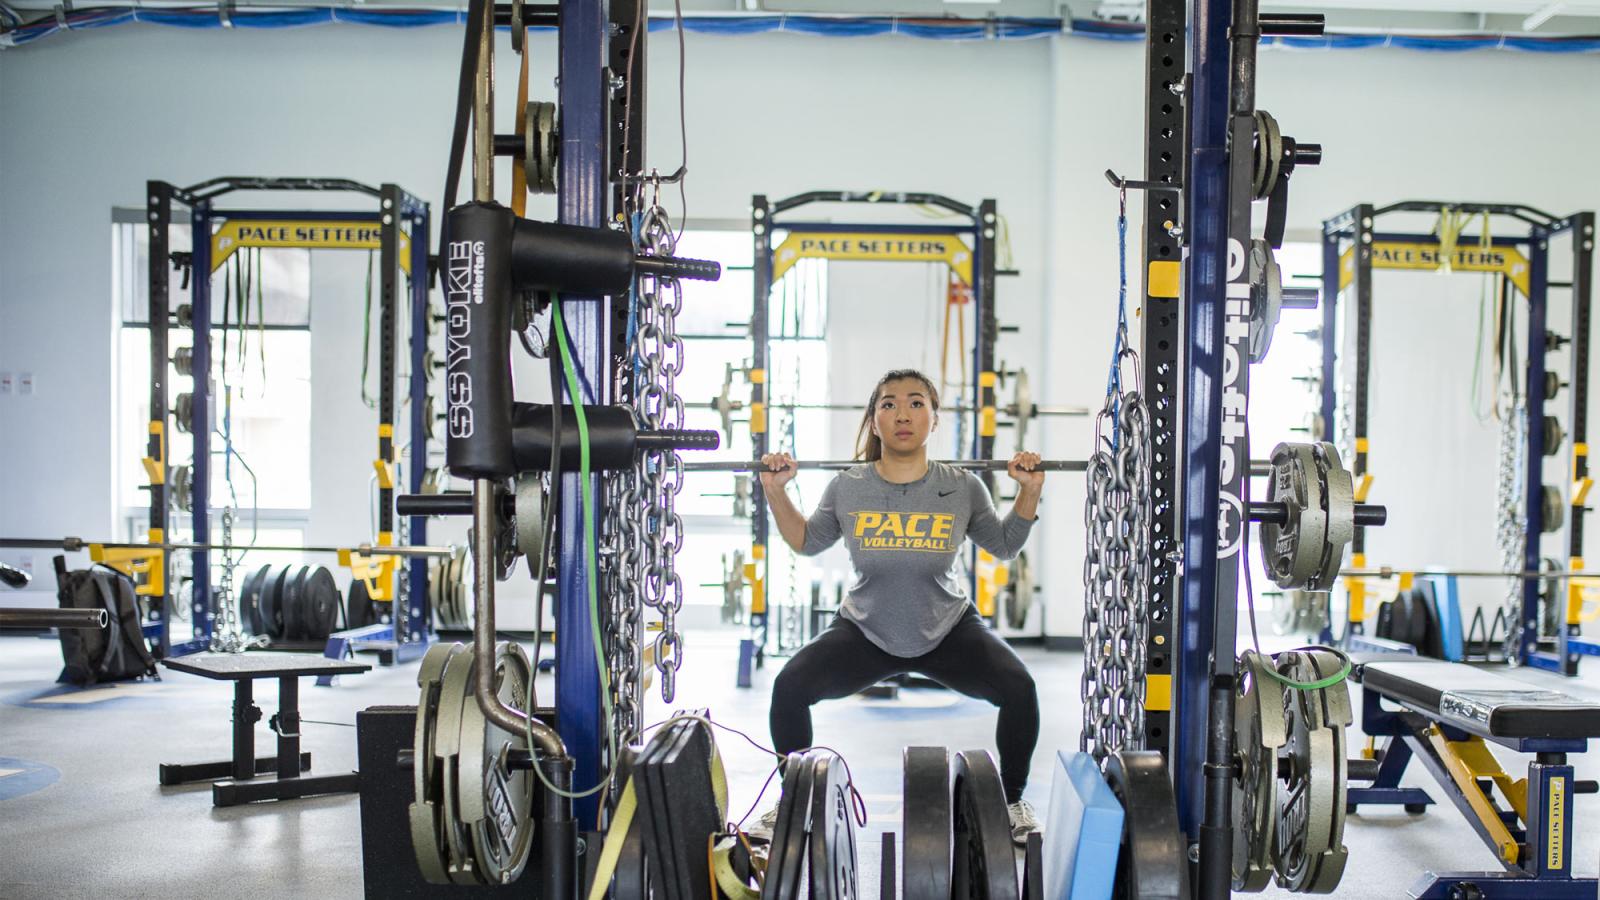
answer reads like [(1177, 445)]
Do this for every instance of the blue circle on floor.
[(19, 777)]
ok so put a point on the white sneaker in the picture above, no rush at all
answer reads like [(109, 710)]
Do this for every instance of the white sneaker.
[(762, 829), (1023, 822)]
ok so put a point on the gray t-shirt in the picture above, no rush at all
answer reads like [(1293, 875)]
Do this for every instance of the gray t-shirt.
[(905, 541)]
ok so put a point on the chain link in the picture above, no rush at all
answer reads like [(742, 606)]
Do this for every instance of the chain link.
[(1508, 520), (227, 636), (1116, 577)]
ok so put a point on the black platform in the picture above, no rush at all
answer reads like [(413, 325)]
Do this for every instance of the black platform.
[(289, 765), (1481, 700)]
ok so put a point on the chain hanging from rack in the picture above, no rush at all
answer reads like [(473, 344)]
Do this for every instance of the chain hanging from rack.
[(227, 636), (658, 354), (1116, 572), (1508, 518)]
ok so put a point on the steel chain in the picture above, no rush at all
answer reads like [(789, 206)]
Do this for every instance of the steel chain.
[(1508, 520), (1117, 519), (658, 528), (226, 636)]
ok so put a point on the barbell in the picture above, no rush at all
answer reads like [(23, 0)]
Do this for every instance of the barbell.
[(1259, 467), (76, 544)]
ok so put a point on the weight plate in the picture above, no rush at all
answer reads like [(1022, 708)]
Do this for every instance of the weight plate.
[(183, 412), (250, 599), (1154, 862), (1266, 298), (271, 601), (1339, 488), (786, 859), (430, 421), (436, 572), (1019, 591), (495, 801), (433, 480), (426, 808), (548, 132), (320, 604), (833, 831), (1554, 509), (519, 30), (1259, 731), (183, 361), (1292, 552), (359, 610), (925, 822), (984, 861), (1310, 855), (180, 487), (528, 516), (292, 603), (455, 692)]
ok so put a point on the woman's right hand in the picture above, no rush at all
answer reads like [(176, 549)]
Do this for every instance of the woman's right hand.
[(784, 469)]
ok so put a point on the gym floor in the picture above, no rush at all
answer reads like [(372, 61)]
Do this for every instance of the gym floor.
[(81, 814)]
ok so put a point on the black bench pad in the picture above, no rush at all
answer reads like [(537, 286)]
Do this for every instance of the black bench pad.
[(237, 666), (1482, 701)]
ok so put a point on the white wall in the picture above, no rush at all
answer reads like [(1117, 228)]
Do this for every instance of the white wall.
[(89, 117)]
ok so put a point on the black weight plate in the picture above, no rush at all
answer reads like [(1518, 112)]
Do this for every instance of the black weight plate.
[(657, 837), (359, 609), (292, 603), (631, 879), (320, 602), (833, 831), (925, 823), (271, 600), (1153, 864), (786, 860), (983, 861), (250, 599)]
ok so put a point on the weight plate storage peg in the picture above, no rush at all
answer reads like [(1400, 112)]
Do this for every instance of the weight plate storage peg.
[(926, 823), (1304, 551), (984, 862)]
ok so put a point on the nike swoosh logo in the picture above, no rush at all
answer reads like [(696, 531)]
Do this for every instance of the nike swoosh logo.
[(946, 493)]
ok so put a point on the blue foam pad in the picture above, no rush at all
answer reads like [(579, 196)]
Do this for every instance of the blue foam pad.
[(1447, 601), (1083, 833)]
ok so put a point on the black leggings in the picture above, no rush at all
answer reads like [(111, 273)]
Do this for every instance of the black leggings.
[(972, 659)]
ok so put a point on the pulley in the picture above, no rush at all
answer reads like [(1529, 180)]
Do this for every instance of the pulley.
[(1310, 854), (1303, 548)]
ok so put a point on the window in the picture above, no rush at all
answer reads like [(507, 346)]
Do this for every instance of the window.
[(260, 379)]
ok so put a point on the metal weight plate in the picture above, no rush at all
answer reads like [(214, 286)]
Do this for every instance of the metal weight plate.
[(430, 421), (436, 573), (925, 823), (786, 858), (250, 599), (1266, 298), (292, 603), (528, 515), (984, 861), (455, 691), (496, 802), (1553, 507), (1339, 488), (183, 361), (1292, 553), (271, 601), (183, 412), (1259, 732), (1268, 154), (180, 487), (1309, 854), (519, 28), (833, 831), (427, 806), (319, 603), (1019, 591), (547, 133), (1154, 862)]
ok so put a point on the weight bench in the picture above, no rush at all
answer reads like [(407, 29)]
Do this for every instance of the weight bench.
[(290, 765), (1447, 713)]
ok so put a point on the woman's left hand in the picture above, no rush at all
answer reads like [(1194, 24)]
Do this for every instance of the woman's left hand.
[(1022, 471)]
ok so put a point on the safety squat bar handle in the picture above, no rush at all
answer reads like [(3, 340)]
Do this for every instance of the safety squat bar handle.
[(1367, 515), (493, 257)]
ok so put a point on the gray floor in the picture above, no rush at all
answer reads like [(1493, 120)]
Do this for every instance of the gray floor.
[(105, 828)]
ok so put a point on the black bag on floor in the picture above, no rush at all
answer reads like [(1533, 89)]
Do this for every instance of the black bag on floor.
[(115, 653)]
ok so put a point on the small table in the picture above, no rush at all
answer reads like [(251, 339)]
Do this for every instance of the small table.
[(290, 764)]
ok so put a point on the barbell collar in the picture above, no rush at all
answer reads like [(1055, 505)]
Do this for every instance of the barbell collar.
[(53, 618)]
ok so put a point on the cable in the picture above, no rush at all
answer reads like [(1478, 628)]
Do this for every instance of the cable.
[(366, 339)]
